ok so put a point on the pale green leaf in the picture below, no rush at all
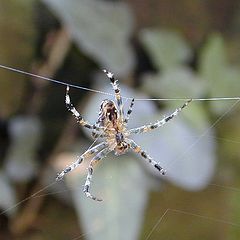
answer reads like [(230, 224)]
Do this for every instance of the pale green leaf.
[(179, 82), (101, 29), (167, 49), (212, 62), (222, 80)]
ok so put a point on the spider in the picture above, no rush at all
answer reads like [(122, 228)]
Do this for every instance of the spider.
[(111, 127)]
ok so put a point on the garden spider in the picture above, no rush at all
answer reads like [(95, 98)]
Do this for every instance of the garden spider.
[(111, 126)]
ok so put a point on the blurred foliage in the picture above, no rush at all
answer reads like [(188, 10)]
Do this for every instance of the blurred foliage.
[(100, 29), (166, 48), (221, 78), (20, 162), (16, 48), (188, 44)]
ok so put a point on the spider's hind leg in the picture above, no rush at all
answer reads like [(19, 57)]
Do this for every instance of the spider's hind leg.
[(87, 184), (79, 160), (136, 148)]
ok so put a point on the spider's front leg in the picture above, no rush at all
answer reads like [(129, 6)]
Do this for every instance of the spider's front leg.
[(136, 148), (159, 123), (98, 134), (74, 165), (129, 111), (117, 92), (87, 184), (77, 115)]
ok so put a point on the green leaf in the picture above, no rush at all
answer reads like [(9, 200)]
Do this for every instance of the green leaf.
[(222, 80), (100, 29), (212, 62), (167, 49), (183, 149), (179, 82)]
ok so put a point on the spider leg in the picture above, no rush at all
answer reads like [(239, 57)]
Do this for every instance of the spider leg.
[(159, 123), (129, 111), (77, 115), (74, 165), (99, 134), (96, 135), (117, 92), (136, 148), (87, 184)]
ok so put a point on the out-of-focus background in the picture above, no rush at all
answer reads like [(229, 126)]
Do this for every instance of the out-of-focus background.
[(157, 49)]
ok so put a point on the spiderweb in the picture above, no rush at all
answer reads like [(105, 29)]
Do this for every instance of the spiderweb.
[(157, 226)]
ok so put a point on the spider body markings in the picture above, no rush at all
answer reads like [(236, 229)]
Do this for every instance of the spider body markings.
[(111, 127)]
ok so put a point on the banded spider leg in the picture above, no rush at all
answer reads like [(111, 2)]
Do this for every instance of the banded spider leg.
[(117, 92), (159, 123), (79, 160), (103, 153), (78, 116), (136, 148), (129, 111), (147, 128)]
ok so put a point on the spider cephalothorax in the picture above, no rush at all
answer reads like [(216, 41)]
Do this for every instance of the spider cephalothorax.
[(108, 114), (111, 126)]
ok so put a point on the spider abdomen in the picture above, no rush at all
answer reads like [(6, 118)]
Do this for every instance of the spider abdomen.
[(119, 138), (121, 145)]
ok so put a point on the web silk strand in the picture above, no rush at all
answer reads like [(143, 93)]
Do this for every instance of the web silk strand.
[(109, 94)]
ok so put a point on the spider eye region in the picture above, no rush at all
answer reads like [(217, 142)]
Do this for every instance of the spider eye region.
[(109, 110)]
